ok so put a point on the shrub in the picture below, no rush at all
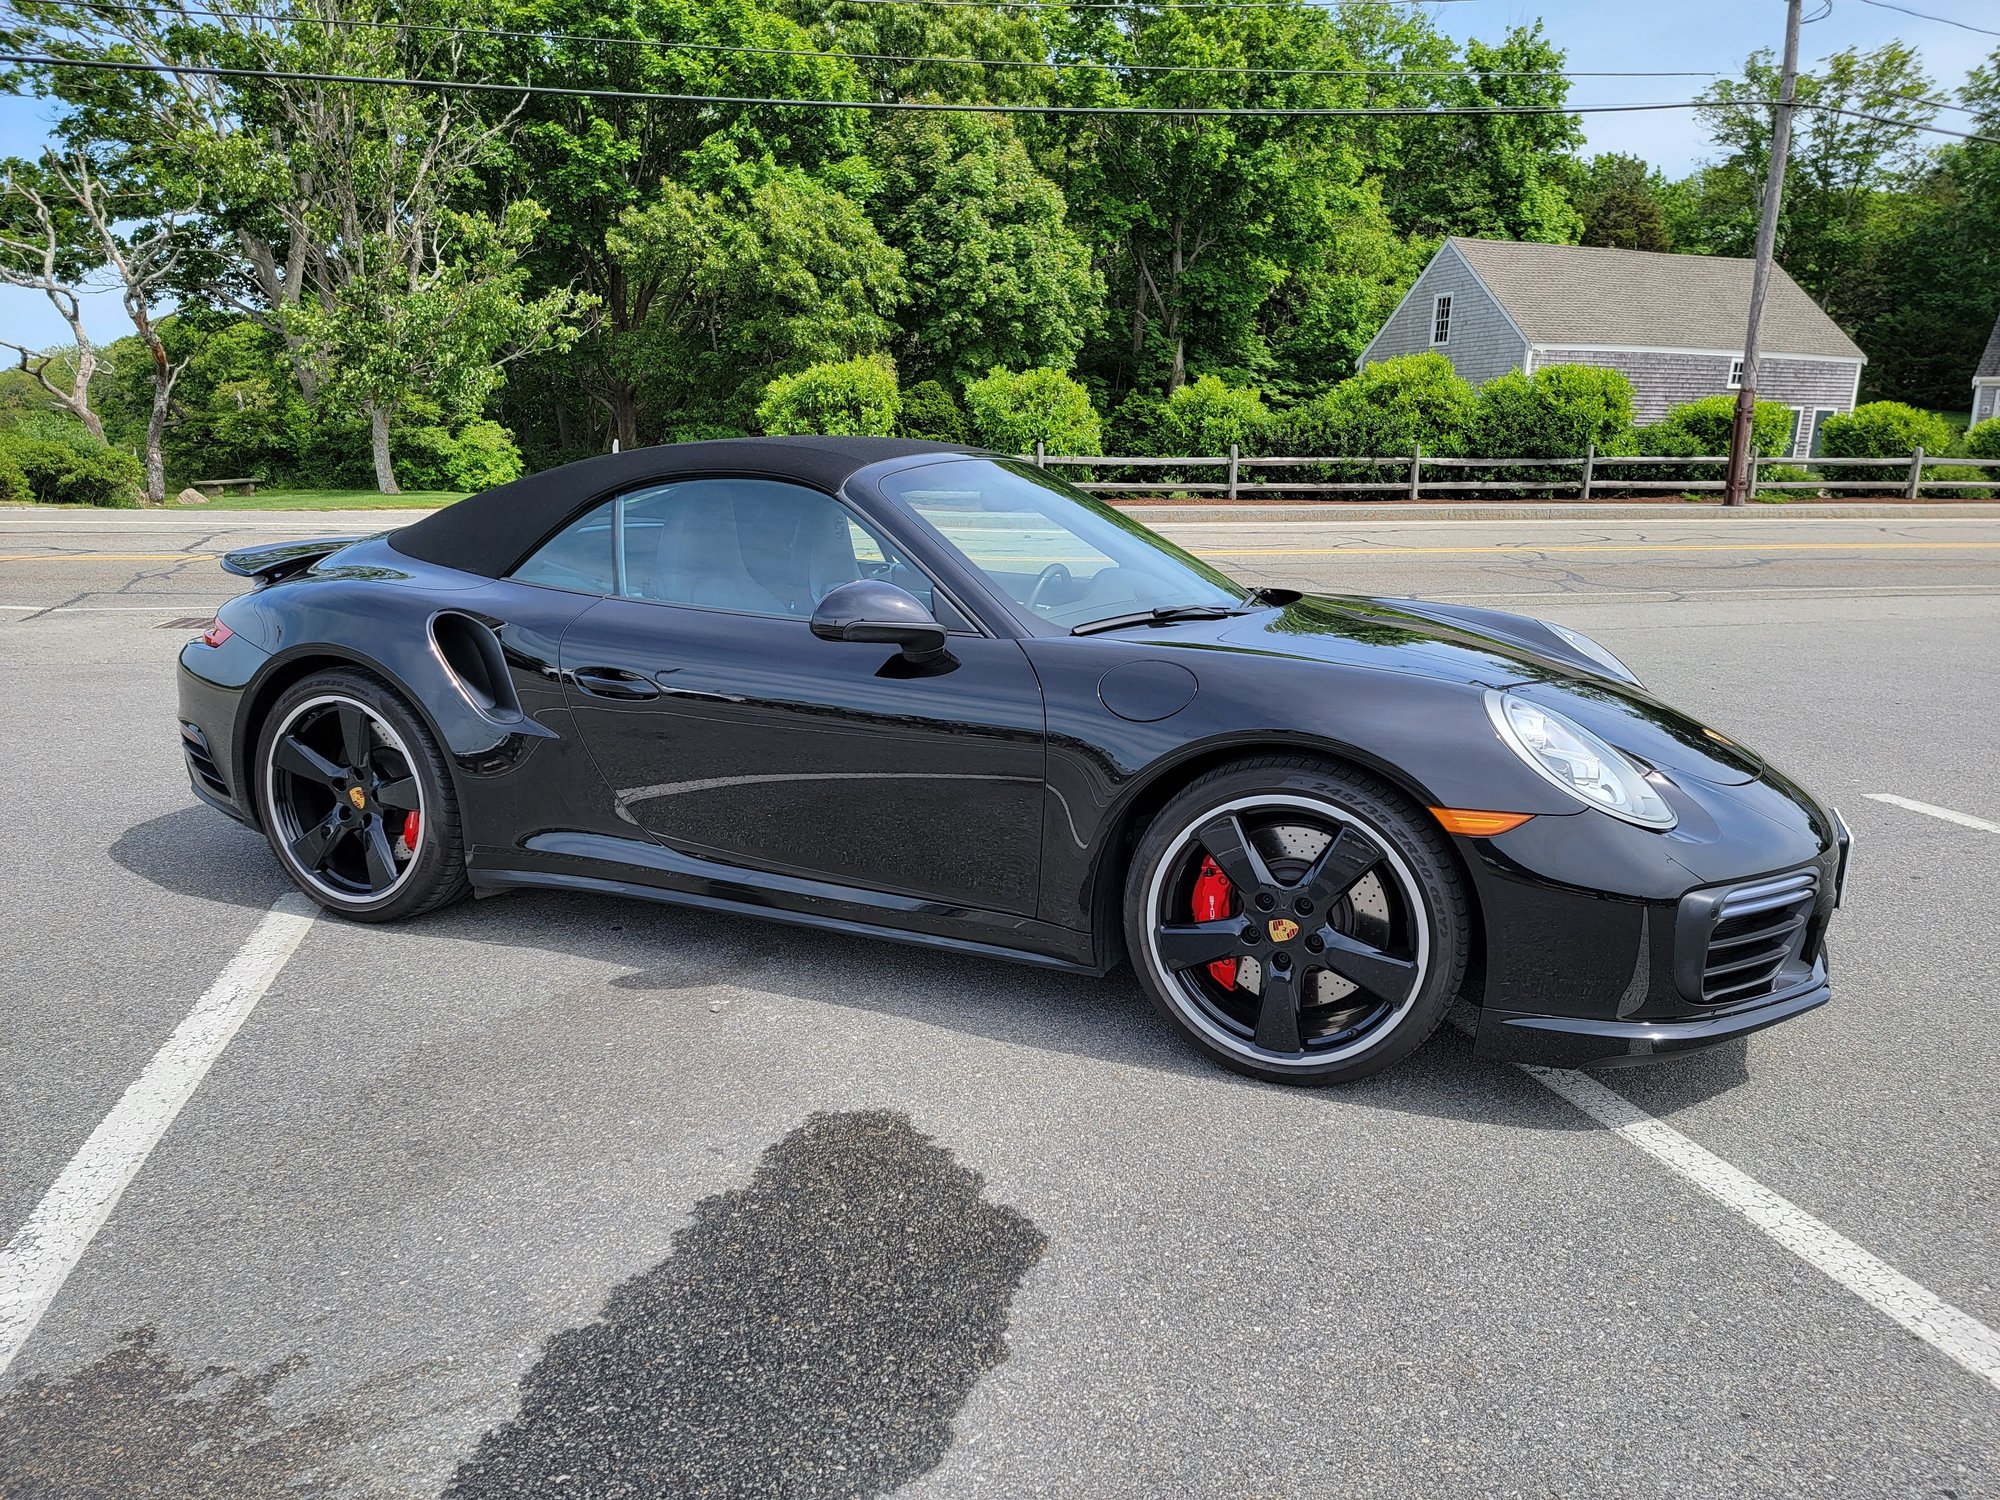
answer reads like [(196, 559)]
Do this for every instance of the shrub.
[(13, 483), (478, 456), (929, 411), (1204, 418), (1382, 411), (1705, 427), (57, 472), (1558, 412), (1966, 482), (850, 398), (1012, 412), (1882, 429), (1982, 441)]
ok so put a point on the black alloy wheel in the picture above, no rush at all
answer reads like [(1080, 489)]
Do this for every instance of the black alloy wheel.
[(355, 800), (1296, 921)]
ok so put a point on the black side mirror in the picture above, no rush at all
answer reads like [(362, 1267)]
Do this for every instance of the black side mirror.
[(870, 610)]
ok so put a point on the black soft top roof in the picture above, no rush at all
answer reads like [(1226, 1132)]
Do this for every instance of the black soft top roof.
[(490, 532)]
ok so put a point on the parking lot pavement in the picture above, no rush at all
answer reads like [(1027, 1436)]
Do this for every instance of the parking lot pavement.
[(546, 1195)]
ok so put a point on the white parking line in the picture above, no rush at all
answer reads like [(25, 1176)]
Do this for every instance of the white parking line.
[(1931, 810), (1955, 1334), (42, 1253)]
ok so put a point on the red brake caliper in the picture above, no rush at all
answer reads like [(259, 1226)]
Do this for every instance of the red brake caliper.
[(1214, 899), (410, 830)]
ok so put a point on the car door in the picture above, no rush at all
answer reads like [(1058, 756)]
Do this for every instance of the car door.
[(727, 730)]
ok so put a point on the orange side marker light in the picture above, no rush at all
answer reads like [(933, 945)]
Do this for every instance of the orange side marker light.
[(1478, 825)]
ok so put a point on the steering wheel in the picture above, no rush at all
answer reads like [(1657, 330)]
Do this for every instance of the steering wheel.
[(1054, 573)]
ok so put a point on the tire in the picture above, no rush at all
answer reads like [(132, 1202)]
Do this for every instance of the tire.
[(1292, 887), (317, 782)]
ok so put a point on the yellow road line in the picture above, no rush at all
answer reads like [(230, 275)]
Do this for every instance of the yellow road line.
[(103, 556), (1529, 547)]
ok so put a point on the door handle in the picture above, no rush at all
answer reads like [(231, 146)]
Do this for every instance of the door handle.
[(613, 682)]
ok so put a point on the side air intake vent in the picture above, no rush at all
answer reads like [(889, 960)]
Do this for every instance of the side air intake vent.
[(473, 653)]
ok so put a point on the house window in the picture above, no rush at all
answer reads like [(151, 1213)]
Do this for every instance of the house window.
[(1441, 321), (1736, 374)]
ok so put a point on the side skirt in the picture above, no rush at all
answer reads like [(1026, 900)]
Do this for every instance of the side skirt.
[(621, 867)]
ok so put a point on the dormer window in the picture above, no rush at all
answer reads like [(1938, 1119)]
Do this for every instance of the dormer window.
[(1441, 321)]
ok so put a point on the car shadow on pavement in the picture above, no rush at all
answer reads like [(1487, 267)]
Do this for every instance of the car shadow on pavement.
[(192, 852)]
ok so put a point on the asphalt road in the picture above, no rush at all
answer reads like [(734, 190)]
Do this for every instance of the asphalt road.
[(546, 1196)]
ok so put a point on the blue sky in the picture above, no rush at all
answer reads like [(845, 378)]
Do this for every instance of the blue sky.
[(1597, 34)]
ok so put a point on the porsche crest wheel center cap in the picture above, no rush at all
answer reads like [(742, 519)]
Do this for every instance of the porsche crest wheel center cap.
[(355, 795), (1283, 930)]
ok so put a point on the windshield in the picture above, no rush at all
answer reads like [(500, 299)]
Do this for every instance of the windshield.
[(1069, 559)]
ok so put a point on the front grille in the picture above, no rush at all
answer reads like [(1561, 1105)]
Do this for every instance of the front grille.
[(1756, 931), (201, 762)]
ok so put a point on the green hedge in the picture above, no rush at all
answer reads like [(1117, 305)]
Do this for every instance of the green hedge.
[(1013, 411), (929, 411), (55, 472), (845, 398), (1883, 429)]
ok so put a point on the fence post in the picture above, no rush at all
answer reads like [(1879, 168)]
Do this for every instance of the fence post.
[(1589, 469), (1040, 453), (1235, 454), (1416, 471), (1916, 489), (1756, 466)]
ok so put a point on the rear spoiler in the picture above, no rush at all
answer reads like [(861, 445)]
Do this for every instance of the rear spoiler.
[(282, 560)]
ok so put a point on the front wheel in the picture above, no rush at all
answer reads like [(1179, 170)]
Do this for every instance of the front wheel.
[(356, 800), (1297, 921)]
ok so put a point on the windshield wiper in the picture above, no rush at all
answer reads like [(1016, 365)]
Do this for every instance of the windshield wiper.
[(1161, 616)]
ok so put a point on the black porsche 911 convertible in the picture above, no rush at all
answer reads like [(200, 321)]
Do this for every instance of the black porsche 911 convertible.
[(934, 694)]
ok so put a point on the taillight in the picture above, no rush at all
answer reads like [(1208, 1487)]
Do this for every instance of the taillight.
[(216, 634)]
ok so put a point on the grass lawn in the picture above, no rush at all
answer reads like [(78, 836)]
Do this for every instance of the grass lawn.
[(327, 500)]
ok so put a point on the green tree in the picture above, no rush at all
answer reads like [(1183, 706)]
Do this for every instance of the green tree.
[(854, 398), (724, 289), (1620, 199), (1199, 221), (1014, 411), (438, 330), (592, 162), (1845, 171), (995, 274), (1493, 176)]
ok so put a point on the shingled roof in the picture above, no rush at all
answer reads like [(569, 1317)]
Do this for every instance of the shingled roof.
[(1581, 295), (1989, 362)]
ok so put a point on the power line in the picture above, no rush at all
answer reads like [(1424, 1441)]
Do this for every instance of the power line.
[(663, 44), (484, 86), (1926, 16)]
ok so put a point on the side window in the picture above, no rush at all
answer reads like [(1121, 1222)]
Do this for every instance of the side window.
[(578, 557), (757, 546)]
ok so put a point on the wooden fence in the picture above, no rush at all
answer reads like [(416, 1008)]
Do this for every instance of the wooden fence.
[(1597, 475)]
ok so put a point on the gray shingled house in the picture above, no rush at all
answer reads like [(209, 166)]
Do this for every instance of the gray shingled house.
[(1673, 323), (1986, 381)]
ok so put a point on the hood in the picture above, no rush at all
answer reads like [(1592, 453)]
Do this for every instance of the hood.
[(1483, 647)]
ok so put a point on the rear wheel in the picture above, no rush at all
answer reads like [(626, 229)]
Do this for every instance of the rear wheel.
[(1297, 921), (356, 801)]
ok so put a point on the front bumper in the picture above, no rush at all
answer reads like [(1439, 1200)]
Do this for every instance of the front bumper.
[(1646, 946)]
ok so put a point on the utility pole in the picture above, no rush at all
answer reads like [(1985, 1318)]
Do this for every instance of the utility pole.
[(1736, 490)]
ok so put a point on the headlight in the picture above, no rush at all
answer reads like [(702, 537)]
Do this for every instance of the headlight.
[(1582, 643), (1564, 752)]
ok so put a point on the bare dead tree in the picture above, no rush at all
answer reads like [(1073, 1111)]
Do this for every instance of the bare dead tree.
[(76, 213), (38, 252)]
